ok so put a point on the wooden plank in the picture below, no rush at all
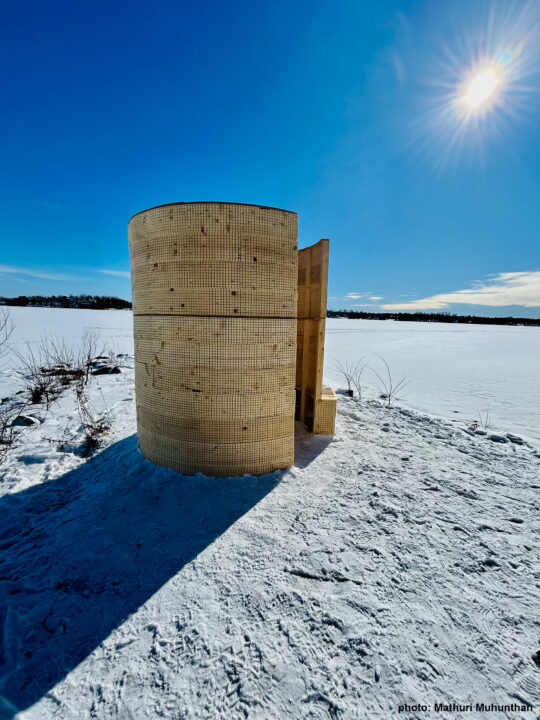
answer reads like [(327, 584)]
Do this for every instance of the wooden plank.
[(311, 310), (313, 280), (217, 458), (232, 406), (211, 429), (324, 414), (244, 302), (202, 331), (304, 376), (231, 275), (247, 357)]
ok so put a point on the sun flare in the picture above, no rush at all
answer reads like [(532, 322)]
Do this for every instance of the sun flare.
[(481, 83), (481, 88)]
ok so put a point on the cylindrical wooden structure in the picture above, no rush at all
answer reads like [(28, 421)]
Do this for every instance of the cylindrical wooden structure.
[(214, 305)]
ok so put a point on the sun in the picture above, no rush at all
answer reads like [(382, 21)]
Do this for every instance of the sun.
[(481, 83), (480, 89)]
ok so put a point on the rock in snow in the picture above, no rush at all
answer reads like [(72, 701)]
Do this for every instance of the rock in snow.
[(106, 370), (25, 421)]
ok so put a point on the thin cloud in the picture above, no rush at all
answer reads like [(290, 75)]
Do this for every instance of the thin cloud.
[(119, 273), (46, 203), (398, 67), (516, 288), (369, 305), (357, 295), (11, 270), (362, 296)]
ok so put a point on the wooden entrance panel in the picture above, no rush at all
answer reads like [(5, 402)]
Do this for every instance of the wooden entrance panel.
[(315, 406)]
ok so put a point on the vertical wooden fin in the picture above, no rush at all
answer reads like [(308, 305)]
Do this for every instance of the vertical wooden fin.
[(317, 414)]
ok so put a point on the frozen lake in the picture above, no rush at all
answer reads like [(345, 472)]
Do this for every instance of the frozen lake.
[(455, 371)]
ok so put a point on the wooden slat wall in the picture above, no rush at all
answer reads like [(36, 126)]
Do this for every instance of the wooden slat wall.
[(313, 281), (214, 304), (324, 412), (311, 309)]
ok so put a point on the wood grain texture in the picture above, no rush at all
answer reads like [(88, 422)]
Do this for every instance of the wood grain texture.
[(324, 412), (311, 308), (313, 280), (217, 458), (214, 300), (214, 259)]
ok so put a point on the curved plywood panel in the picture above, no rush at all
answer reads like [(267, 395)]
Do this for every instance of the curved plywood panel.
[(214, 299), (214, 259)]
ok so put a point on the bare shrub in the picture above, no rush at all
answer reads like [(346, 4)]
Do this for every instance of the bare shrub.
[(85, 356), (10, 411), (75, 360), (388, 387), (484, 419), (89, 349), (356, 378), (95, 427), (54, 364), (48, 369), (351, 373), (6, 328), (43, 383)]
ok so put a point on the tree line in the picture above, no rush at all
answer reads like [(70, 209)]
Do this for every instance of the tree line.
[(442, 317), (91, 302)]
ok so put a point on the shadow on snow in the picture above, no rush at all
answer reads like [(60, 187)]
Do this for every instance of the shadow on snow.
[(80, 554)]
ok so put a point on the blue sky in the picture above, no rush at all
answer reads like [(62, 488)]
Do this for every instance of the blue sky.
[(349, 113)]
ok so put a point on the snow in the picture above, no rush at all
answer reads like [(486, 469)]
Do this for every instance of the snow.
[(454, 369), (392, 564), (114, 327)]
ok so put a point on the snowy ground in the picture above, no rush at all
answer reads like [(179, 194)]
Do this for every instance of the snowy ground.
[(454, 369), (393, 564), (114, 327)]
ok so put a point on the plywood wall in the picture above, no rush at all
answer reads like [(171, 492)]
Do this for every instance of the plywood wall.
[(214, 303), (315, 406)]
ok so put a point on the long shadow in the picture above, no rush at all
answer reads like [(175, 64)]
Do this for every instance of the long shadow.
[(308, 447), (80, 554)]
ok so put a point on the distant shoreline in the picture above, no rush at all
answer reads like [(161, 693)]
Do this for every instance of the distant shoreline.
[(106, 302), (75, 302), (434, 317)]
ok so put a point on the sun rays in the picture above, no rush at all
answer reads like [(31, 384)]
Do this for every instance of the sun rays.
[(480, 82)]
